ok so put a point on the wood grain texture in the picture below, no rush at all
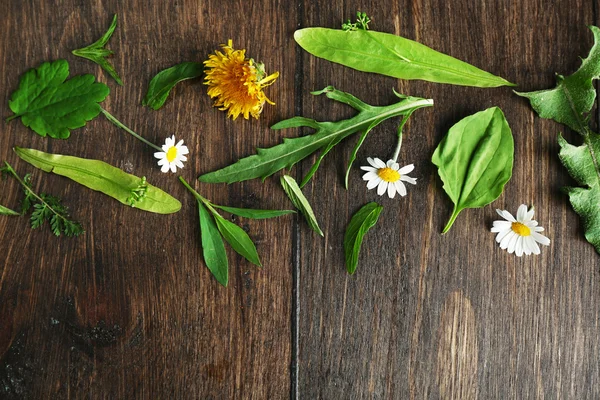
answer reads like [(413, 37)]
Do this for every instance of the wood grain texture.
[(129, 310)]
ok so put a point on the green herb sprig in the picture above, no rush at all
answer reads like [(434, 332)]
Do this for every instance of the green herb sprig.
[(362, 22)]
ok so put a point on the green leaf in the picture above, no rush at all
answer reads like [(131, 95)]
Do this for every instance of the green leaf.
[(7, 211), (238, 239), (52, 106), (475, 160), (293, 191), (213, 248), (285, 155), (363, 220), (103, 177), (253, 213), (391, 55), (97, 53), (161, 85), (582, 164)]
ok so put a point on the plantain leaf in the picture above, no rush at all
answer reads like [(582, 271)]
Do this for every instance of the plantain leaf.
[(213, 248), (475, 160), (7, 211), (160, 86), (238, 239), (392, 55), (268, 161), (254, 213), (52, 106), (293, 191), (363, 220), (100, 176)]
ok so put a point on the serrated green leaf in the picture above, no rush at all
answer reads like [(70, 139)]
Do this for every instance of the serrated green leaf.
[(268, 161), (160, 86), (52, 106), (392, 55), (296, 196), (100, 176), (213, 248), (475, 160), (7, 211), (238, 239), (254, 213), (97, 53), (363, 220)]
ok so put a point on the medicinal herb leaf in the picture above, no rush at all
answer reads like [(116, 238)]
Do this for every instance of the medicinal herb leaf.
[(213, 248), (52, 106), (238, 239), (363, 220), (392, 55), (103, 177), (161, 85), (296, 196), (475, 160), (97, 53), (253, 213), (7, 211), (268, 161), (569, 103)]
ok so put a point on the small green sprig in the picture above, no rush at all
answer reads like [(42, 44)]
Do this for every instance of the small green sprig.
[(45, 207), (362, 22), (138, 193)]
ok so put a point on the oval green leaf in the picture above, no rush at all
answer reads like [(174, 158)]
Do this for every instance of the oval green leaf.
[(391, 55), (213, 248), (238, 239), (291, 188), (100, 176), (475, 160), (363, 220), (161, 85), (254, 213)]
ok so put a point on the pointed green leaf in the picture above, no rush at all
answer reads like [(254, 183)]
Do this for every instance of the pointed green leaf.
[(213, 249), (161, 85), (363, 220), (296, 196), (392, 55), (475, 160), (254, 213), (238, 239), (7, 211), (97, 53), (268, 161)]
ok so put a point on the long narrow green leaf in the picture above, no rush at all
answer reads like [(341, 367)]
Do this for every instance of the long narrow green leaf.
[(160, 86), (213, 248), (7, 211), (296, 196), (363, 220), (238, 239), (254, 213), (103, 177)]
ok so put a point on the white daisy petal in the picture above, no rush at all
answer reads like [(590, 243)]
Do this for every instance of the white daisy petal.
[(408, 179), (502, 234), (374, 182), (371, 161), (535, 247), (538, 229), (521, 213), (529, 215), (395, 166), (390, 163), (531, 224), (406, 169), (179, 164), (540, 238), (400, 188), (184, 150), (512, 244), (378, 163), (381, 187), (506, 239), (369, 175), (173, 168), (178, 145), (508, 216), (183, 158), (164, 168), (391, 190), (160, 154), (371, 169), (519, 246), (162, 161)]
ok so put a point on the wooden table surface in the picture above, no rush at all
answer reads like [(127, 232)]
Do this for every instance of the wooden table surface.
[(129, 309)]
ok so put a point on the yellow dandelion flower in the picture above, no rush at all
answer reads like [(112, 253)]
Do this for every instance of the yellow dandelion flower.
[(237, 82)]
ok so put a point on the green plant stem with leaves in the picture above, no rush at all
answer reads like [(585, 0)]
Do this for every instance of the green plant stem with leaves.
[(119, 124)]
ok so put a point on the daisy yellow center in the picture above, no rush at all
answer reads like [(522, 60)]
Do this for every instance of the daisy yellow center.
[(171, 154), (388, 174), (521, 229)]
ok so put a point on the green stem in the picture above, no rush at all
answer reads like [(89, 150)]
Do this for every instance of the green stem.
[(398, 147), (126, 129), (11, 117), (198, 196), (455, 213)]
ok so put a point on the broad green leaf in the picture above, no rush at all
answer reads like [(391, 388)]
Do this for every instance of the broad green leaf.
[(268, 161), (7, 211), (363, 220), (213, 248), (475, 160), (52, 106), (253, 213), (161, 85), (391, 55), (293, 191), (574, 95), (97, 53), (238, 239), (100, 176)]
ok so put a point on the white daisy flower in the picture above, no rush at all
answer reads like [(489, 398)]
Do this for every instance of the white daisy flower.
[(172, 156), (387, 177), (520, 235)]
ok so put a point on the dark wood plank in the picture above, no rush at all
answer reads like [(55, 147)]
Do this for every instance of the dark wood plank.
[(129, 309), (432, 316)]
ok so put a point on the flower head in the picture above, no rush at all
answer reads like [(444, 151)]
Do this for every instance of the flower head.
[(387, 177), (172, 156), (519, 235), (237, 82)]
